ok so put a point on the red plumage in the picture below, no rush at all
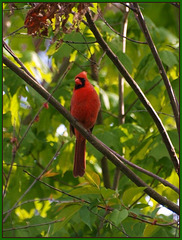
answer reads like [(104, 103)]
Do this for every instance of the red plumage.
[(85, 105)]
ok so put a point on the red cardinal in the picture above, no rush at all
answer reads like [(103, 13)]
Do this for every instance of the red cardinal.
[(85, 105)]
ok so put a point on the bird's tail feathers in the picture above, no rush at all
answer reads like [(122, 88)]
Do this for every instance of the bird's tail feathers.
[(79, 160)]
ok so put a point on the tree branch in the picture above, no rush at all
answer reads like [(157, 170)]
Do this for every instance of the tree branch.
[(105, 172), (33, 225), (121, 35), (163, 181), (121, 81), (137, 90), (172, 97), (147, 91), (92, 139)]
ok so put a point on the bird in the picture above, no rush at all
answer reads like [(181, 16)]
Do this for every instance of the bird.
[(85, 106)]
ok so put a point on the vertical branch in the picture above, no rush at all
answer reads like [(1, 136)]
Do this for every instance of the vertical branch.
[(105, 172), (104, 165), (117, 173), (172, 97)]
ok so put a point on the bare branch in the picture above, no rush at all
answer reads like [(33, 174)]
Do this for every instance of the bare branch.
[(33, 225), (18, 165), (172, 97), (137, 90), (63, 192), (5, 45), (163, 181)]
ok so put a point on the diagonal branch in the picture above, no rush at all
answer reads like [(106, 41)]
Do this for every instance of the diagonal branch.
[(137, 90), (92, 139), (172, 97)]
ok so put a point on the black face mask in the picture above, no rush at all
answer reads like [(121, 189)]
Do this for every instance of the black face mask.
[(77, 86)]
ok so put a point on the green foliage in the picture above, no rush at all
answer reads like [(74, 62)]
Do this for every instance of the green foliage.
[(84, 206)]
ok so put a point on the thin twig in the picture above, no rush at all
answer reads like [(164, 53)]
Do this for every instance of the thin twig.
[(163, 181), (33, 225), (173, 100), (18, 165), (108, 221), (48, 38), (131, 205), (5, 45), (121, 35), (144, 110), (80, 53), (38, 200), (14, 32), (18, 9), (11, 165), (147, 91), (30, 187), (102, 56), (63, 192), (75, 197), (152, 223)]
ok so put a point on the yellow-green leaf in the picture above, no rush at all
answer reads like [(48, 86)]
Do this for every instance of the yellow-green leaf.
[(131, 194), (93, 178), (14, 110)]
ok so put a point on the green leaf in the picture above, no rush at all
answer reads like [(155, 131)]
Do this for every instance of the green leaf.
[(131, 194), (85, 190), (66, 152), (116, 47), (138, 229), (145, 65), (118, 216), (6, 103), (168, 58), (67, 213), (107, 193), (85, 216), (150, 230), (154, 212), (140, 206)]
